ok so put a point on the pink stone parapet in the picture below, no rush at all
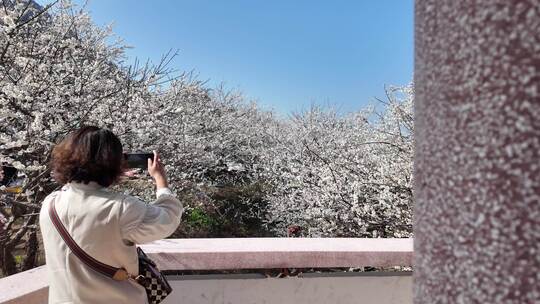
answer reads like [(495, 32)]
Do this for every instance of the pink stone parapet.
[(31, 287), (27, 287), (253, 253)]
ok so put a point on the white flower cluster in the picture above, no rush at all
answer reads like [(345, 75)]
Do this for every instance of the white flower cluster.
[(344, 175)]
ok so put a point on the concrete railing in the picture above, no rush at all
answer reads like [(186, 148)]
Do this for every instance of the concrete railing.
[(249, 253)]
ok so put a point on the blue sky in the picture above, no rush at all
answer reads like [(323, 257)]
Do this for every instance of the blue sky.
[(284, 54)]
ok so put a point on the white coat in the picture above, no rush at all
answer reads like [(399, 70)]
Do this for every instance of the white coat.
[(106, 225)]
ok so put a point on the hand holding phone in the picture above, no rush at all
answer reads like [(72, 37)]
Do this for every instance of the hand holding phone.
[(157, 171), (150, 161)]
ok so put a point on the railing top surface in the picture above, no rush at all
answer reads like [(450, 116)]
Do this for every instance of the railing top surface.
[(26, 287), (239, 245), (252, 253)]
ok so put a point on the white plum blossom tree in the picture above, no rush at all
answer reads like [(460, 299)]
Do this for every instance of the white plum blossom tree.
[(319, 172), (58, 71), (346, 175)]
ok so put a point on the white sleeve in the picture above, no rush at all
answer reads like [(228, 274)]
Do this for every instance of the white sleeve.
[(142, 223)]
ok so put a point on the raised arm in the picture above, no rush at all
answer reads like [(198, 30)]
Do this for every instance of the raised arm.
[(141, 222)]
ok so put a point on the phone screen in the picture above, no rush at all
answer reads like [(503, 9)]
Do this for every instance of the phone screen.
[(138, 160)]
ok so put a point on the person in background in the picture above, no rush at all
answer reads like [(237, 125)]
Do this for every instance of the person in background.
[(105, 224)]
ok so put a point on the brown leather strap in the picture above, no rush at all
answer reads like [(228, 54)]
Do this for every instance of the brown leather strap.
[(107, 270)]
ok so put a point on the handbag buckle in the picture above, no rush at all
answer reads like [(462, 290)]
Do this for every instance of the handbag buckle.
[(142, 280)]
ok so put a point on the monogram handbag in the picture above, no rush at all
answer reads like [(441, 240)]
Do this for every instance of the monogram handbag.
[(157, 287)]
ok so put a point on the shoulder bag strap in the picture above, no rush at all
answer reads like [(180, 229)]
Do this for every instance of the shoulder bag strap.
[(118, 274)]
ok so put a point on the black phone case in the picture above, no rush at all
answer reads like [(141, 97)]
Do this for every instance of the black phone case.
[(138, 160)]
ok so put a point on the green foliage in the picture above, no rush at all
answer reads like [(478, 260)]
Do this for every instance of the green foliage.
[(234, 210), (198, 218), (19, 258)]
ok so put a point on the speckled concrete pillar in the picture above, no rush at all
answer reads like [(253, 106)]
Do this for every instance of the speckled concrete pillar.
[(477, 162)]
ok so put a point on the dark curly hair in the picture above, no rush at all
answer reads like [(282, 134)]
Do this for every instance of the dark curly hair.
[(88, 154)]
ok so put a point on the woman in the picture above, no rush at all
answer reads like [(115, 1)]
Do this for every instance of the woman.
[(105, 224)]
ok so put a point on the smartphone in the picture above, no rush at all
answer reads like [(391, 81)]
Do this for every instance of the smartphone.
[(138, 160)]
